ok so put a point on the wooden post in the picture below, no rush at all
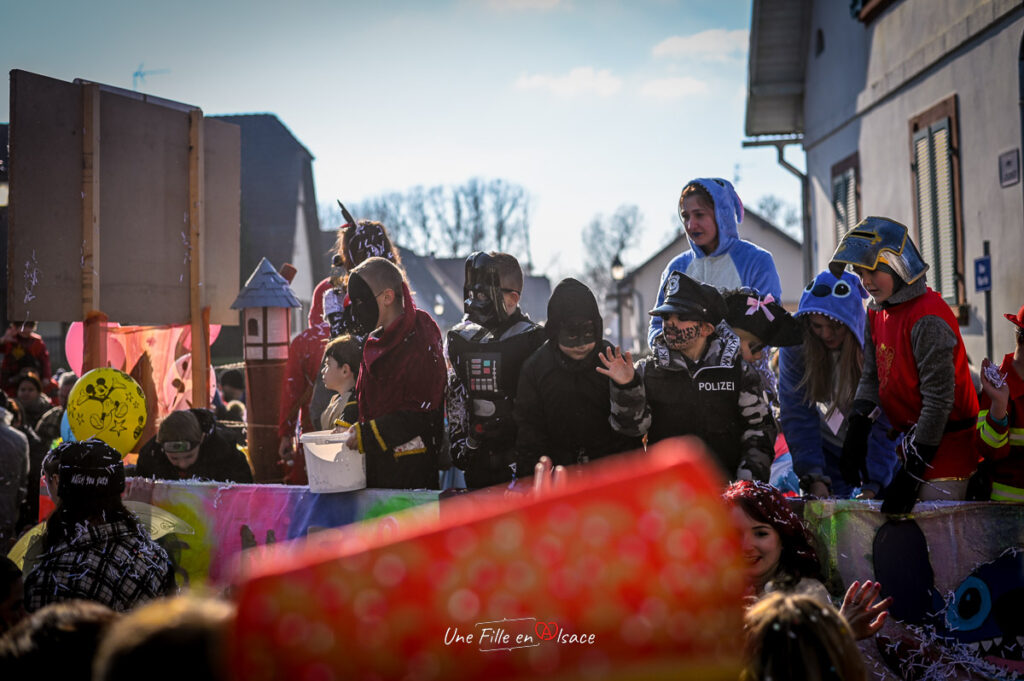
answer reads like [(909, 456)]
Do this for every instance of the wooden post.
[(95, 333), (196, 240)]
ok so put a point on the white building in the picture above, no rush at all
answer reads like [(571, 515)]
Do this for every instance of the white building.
[(909, 109)]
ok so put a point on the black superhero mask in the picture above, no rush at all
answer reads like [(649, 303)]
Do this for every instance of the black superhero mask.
[(363, 303), (576, 332), (484, 303)]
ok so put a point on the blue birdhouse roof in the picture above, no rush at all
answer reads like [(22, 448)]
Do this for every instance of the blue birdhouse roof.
[(265, 288)]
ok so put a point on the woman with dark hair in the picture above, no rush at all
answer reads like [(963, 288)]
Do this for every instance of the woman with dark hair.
[(781, 557), (93, 547)]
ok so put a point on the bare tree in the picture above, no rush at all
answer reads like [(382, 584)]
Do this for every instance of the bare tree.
[(604, 238)]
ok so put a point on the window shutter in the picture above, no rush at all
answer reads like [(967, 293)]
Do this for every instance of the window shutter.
[(844, 202), (932, 155)]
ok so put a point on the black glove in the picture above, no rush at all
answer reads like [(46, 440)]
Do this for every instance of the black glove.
[(853, 460), (901, 494)]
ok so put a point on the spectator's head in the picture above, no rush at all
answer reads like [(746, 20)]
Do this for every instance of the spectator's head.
[(711, 212), (180, 436), (777, 546), (342, 357), (29, 387), (1018, 322), (574, 320), (66, 383), (173, 639), (363, 240), (797, 638), (235, 410), (23, 329), (690, 312), (55, 642), (232, 385), (882, 254), (376, 288), (760, 322), (12, 594)]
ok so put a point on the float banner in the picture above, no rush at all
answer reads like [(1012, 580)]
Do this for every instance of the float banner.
[(228, 518)]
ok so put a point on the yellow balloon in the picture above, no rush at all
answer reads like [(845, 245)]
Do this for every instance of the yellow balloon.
[(108, 404)]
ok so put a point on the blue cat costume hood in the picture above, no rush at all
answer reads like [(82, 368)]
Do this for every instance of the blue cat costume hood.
[(815, 447), (840, 299), (734, 264)]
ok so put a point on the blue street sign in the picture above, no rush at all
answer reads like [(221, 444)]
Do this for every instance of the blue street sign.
[(983, 274)]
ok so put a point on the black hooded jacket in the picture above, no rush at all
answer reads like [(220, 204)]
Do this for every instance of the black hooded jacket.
[(562, 408), (218, 459)]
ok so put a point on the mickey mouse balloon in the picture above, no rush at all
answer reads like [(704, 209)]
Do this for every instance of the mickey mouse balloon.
[(108, 404)]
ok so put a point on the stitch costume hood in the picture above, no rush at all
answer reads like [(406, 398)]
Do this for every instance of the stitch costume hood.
[(728, 213), (839, 299)]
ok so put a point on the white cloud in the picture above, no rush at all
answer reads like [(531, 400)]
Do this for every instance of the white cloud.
[(713, 45), (517, 5), (673, 88), (579, 81)]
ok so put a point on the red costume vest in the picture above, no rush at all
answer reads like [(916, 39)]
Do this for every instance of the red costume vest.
[(899, 385)]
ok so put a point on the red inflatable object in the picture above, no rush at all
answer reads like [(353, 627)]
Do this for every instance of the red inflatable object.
[(632, 570)]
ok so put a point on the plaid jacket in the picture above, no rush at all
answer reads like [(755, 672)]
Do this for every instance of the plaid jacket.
[(114, 564)]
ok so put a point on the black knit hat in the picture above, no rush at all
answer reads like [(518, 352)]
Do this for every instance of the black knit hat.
[(691, 300), (90, 467), (763, 317), (571, 299)]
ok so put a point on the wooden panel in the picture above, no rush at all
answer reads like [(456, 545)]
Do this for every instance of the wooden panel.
[(223, 219), (45, 212), (143, 206), (144, 203)]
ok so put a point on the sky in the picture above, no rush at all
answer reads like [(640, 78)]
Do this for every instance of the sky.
[(587, 104)]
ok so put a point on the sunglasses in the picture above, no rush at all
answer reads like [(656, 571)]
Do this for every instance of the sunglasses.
[(178, 446)]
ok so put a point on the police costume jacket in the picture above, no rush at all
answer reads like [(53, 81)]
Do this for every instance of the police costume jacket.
[(562, 410), (915, 368), (485, 368), (718, 398), (1001, 443), (218, 458), (398, 417)]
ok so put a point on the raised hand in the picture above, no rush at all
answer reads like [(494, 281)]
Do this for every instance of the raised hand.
[(860, 611), (617, 366)]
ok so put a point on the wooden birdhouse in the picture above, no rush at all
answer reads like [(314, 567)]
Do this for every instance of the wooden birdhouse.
[(266, 301)]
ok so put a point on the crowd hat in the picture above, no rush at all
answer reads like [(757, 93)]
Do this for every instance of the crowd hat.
[(1016, 319), (89, 467), (876, 241), (763, 317), (691, 300)]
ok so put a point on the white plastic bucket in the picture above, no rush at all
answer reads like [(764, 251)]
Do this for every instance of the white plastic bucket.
[(330, 465)]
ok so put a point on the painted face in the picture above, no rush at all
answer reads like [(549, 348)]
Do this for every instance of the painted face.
[(337, 378), (682, 335), (751, 346), (699, 221), (27, 392), (880, 285), (832, 333), (761, 544)]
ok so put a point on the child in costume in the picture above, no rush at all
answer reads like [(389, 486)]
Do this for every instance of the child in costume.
[(1001, 421), (915, 369), (817, 382), (711, 212), (562, 407), (696, 383)]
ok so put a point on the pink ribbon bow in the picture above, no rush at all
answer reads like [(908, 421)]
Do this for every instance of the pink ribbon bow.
[(755, 304)]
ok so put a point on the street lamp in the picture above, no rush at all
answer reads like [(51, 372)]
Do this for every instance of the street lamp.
[(618, 274)]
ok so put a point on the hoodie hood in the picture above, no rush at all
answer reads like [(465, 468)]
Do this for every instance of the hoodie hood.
[(316, 307), (571, 298), (841, 299), (728, 213)]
